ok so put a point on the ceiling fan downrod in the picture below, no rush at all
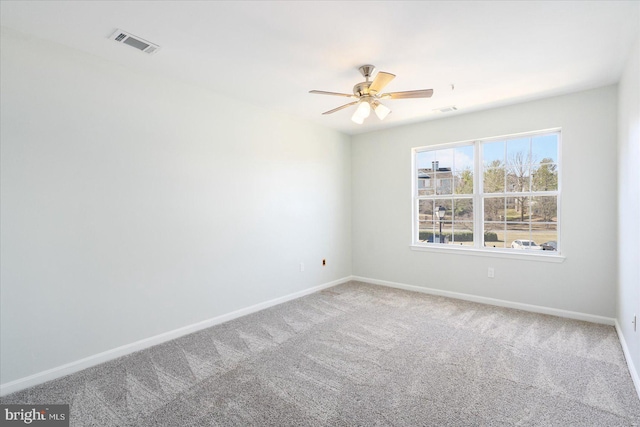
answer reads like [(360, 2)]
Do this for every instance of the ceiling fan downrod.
[(367, 70), (362, 89)]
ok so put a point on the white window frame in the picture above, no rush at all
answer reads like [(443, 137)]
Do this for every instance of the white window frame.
[(478, 206)]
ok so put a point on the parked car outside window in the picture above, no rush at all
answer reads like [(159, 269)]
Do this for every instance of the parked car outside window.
[(525, 244), (549, 246)]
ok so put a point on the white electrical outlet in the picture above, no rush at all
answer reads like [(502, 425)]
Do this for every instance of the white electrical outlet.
[(491, 273), (302, 266)]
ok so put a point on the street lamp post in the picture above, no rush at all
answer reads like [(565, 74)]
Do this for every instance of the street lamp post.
[(440, 211)]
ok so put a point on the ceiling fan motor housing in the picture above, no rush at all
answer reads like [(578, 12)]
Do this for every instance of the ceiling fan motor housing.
[(361, 89)]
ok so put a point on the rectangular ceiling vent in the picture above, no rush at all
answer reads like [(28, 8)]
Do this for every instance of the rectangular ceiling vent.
[(446, 109), (134, 41)]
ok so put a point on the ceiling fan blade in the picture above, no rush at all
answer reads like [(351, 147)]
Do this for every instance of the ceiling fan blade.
[(322, 92), (382, 79), (426, 93), (341, 107)]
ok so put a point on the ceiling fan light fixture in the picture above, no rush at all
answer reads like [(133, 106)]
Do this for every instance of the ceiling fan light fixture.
[(362, 112), (381, 110), (357, 119), (364, 109)]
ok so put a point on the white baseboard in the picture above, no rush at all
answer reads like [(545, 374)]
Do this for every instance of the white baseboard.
[(492, 301), (96, 359), (627, 355)]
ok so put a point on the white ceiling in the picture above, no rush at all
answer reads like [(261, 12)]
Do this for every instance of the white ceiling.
[(272, 53)]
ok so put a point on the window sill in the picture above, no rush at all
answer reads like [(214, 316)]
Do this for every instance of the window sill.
[(492, 253)]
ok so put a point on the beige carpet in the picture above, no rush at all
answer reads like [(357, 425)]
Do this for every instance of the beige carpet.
[(363, 355)]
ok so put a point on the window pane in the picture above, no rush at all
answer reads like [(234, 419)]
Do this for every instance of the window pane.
[(443, 160), (445, 219), (516, 234), (446, 204), (518, 208), (425, 185), (463, 158), (462, 233), (519, 150), (493, 154), (494, 209), (494, 235), (463, 182), (518, 164), (494, 180), (463, 209), (463, 169), (545, 148), (447, 231), (425, 210), (440, 172), (518, 178), (545, 177), (426, 231), (544, 209), (444, 182), (424, 159), (545, 235)]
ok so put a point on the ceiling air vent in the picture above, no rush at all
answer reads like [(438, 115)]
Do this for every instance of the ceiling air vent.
[(134, 41), (446, 109)]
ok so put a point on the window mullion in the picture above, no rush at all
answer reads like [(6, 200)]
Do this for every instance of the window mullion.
[(478, 203)]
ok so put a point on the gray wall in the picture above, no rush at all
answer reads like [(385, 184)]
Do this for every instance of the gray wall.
[(134, 205), (629, 205), (585, 282)]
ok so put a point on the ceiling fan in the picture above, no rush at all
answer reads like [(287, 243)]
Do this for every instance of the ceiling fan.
[(367, 95)]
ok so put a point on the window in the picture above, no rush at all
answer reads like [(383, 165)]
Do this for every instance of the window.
[(512, 207)]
